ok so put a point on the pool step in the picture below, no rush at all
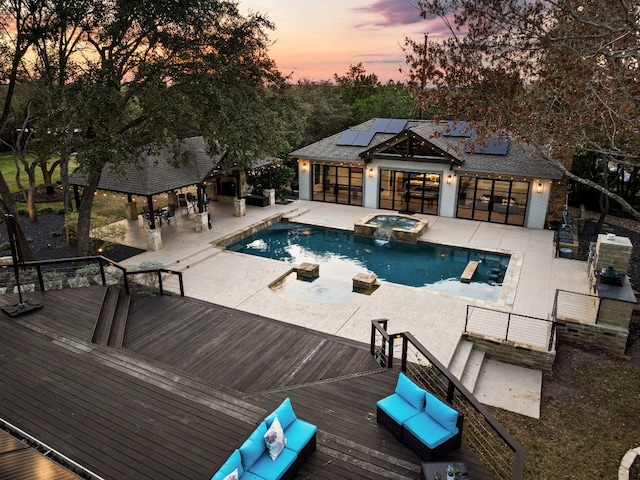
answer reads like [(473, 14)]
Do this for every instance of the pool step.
[(469, 271)]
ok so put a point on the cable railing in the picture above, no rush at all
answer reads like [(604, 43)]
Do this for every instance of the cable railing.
[(75, 272), (576, 307), (493, 445), (510, 327)]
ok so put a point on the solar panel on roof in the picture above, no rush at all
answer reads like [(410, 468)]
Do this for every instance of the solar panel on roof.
[(363, 139), (458, 129), (380, 125), (347, 137), (396, 126), (494, 146), (359, 138)]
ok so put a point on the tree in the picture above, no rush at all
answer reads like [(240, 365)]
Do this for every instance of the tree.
[(391, 100), (139, 75), (321, 110), (561, 75), (356, 84), (20, 25)]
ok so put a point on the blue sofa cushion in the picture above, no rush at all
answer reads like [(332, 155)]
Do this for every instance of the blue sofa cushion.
[(298, 434), (430, 432), (233, 462), (442, 413), (413, 394), (267, 468), (398, 408), (285, 414), (253, 447)]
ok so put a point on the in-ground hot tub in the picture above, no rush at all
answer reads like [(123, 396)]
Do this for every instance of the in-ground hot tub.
[(403, 228)]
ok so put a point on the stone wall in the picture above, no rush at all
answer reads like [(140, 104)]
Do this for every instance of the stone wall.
[(516, 354), (609, 338), (557, 198)]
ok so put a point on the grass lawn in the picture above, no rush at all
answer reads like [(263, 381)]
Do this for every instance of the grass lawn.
[(590, 417)]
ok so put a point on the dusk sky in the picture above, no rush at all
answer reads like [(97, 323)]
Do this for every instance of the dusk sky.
[(316, 38)]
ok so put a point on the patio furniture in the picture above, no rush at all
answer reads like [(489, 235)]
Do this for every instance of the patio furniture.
[(433, 470), (275, 450), (420, 420)]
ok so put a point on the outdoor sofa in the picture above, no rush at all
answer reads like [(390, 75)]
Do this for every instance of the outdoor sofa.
[(417, 418), (275, 449)]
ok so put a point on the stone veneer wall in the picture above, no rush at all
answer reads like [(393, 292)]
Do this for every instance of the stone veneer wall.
[(612, 339), (510, 352), (556, 201)]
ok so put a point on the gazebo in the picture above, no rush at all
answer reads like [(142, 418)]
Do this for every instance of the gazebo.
[(155, 175)]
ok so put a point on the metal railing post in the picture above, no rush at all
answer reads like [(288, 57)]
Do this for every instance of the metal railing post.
[(506, 334)]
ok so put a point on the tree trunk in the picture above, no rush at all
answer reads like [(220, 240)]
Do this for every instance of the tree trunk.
[(64, 179), (84, 215), (11, 207)]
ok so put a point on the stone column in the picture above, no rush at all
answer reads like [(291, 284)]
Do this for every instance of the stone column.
[(240, 207), (270, 193), (131, 210), (154, 240), (202, 222)]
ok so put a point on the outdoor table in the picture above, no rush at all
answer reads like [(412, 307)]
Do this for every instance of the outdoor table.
[(438, 471)]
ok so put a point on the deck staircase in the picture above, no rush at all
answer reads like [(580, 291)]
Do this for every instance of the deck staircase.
[(112, 318)]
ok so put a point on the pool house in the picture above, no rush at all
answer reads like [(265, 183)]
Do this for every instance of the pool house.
[(435, 168)]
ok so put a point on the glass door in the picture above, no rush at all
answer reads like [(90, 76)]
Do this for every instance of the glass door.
[(337, 184)]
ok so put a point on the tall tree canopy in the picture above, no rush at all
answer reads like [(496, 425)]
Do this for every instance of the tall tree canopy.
[(120, 77), (558, 73)]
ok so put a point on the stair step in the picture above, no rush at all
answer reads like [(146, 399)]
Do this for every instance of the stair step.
[(105, 317), (194, 258), (119, 324), (472, 369), (460, 358)]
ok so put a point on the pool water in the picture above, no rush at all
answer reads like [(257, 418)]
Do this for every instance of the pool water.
[(342, 254)]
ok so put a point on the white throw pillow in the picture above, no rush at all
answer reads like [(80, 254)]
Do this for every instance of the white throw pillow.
[(274, 438), (232, 476)]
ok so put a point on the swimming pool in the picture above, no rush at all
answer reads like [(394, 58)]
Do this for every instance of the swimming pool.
[(342, 254)]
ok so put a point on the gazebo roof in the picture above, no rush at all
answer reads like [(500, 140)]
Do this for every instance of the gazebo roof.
[(154, 174)]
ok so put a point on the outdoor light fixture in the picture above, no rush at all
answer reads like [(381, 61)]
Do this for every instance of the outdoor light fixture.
[(449, 179), (539, 187), (304, 166), (371, 172)]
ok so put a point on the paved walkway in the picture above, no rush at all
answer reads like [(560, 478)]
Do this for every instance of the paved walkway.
[(436, 320)]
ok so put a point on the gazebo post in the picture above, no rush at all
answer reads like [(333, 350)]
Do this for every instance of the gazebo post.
[(152, 217)]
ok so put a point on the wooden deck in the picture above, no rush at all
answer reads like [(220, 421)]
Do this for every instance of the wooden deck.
[(189, 385)]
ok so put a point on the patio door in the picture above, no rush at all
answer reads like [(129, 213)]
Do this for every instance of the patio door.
[(489, 200), (337, 184), (409, 191)]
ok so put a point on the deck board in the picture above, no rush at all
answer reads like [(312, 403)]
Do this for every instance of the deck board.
[(189, 385)]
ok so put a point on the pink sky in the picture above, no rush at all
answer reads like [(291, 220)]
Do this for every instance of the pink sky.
[(316, 38)]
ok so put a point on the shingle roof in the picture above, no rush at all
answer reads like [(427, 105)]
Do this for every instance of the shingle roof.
[(521, 159), (154, 174)]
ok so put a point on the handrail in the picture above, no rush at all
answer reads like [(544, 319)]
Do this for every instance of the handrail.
[(453, 385), (102, 262)]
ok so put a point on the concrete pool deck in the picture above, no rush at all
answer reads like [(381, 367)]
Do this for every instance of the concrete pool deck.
[(435, 319)]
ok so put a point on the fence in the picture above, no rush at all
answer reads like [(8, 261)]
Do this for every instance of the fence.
[(494, 446), (510, 327)]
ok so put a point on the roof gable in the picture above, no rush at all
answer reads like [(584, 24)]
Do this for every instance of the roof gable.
[(408, 145)]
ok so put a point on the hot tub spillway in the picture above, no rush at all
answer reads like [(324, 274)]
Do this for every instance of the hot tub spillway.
[(402, 228)]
